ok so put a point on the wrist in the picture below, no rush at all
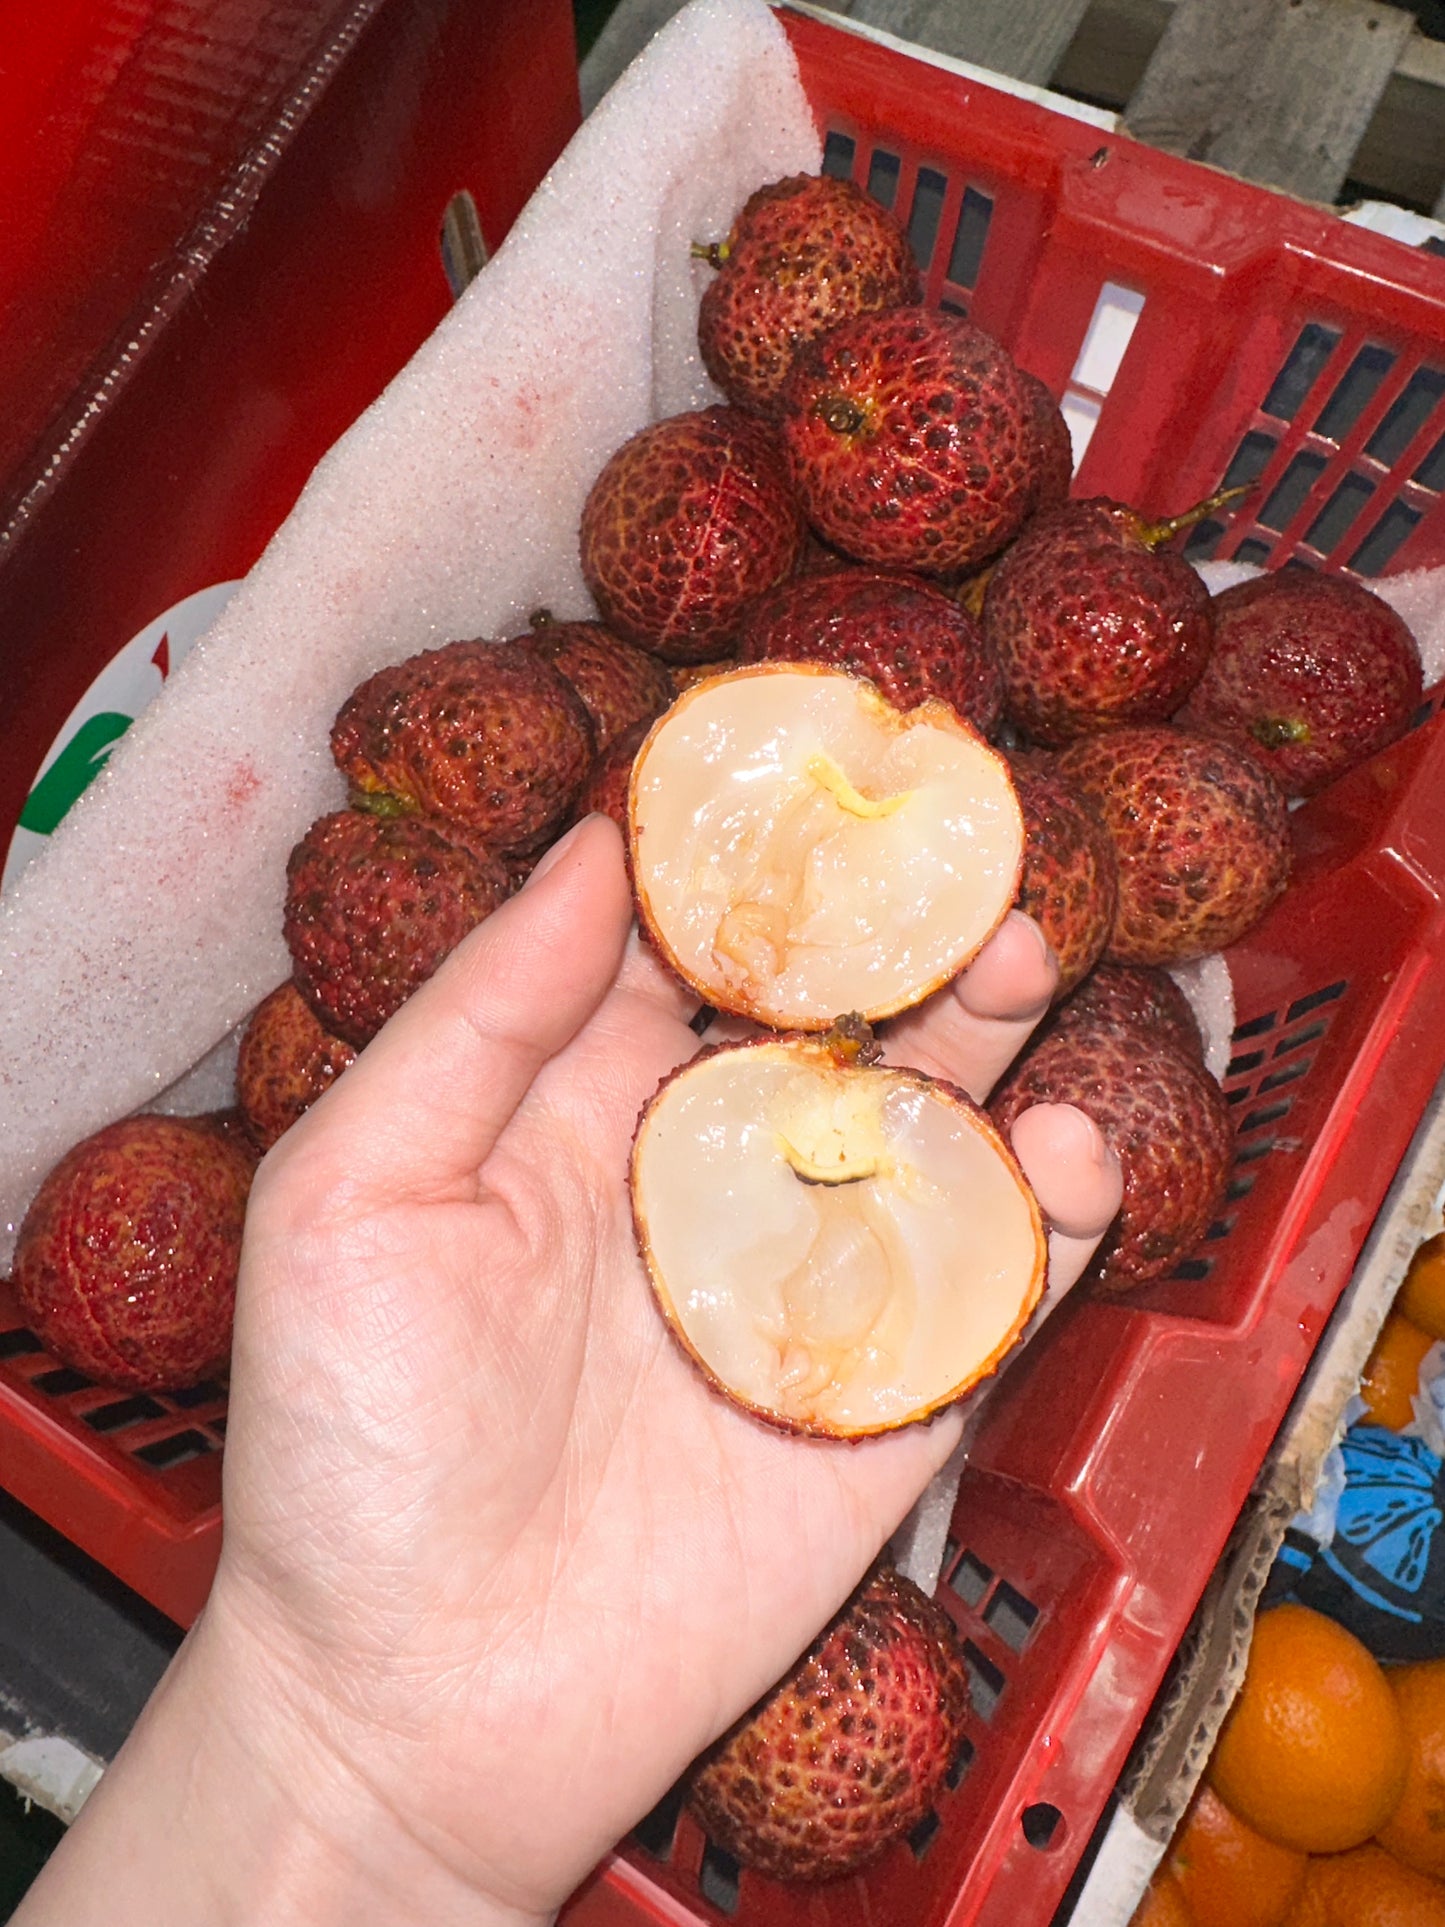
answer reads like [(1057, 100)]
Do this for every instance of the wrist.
[(227, 1806)]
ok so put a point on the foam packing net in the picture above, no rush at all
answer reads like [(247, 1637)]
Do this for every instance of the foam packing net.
[(151, 925)]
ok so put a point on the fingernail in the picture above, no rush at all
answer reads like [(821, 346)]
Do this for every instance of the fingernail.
[(1046, 949)]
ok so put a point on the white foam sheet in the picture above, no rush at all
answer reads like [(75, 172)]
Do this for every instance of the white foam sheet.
[(151, 925)]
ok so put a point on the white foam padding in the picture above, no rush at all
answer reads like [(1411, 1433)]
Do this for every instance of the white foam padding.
[(151, 924)]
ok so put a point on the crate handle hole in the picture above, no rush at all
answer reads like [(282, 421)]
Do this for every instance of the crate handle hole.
[(1043, 1826)]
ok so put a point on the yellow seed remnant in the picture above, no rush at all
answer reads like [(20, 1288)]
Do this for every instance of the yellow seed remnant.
[(825, 772)]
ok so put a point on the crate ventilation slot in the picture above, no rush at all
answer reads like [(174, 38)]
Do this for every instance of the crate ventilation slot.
[(986, 1681), (717, 1879), (971, 1579), (1010, 1615), (1106, 340), (922, 1836), (656, 1831), (1352, 426)]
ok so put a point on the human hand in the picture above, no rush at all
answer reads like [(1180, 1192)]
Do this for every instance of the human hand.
[(497, 1563)]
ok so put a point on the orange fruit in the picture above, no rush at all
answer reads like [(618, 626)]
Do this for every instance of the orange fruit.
[(1163, 1905), (1367, 1888), (1415, 1832), (1421, 1298), (1230, 1875), (1392, 1372), (1313, 1752)]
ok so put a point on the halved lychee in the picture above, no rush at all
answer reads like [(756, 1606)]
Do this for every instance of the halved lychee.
[(801, 848), (843, 1248)]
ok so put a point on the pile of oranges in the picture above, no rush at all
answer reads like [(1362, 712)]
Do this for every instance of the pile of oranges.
[(1323, 1804)]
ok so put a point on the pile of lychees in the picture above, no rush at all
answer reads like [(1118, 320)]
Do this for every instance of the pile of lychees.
[(864, 677)]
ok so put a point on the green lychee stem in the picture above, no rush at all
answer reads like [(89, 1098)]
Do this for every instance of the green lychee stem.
[(1153, 533), (1274, 732), (713, 252)]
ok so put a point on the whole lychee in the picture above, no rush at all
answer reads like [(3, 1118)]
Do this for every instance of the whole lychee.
[(1136, 997), (605, 791), (373, 905), (125, 1267), (685, 524), (1092, 625), (619, 683), (1161, 1113), (911, 440), (850, 1751), (1310, 673), (903, 634), (486, 733), (1070, 881), (804, 254), (286, 1061), (1202, 835), (1055, 459)]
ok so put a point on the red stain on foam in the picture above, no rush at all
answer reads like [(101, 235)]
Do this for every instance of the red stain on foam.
[(242, 789)]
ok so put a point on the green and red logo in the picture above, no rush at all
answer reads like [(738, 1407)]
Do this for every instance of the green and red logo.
[(134, 676)]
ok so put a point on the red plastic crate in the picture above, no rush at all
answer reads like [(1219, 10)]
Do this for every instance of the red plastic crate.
[(1273, 344)]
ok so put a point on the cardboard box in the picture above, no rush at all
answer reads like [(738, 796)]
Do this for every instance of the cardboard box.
[(223, 227)]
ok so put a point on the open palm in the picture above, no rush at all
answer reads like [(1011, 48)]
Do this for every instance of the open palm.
[(514, 1561)]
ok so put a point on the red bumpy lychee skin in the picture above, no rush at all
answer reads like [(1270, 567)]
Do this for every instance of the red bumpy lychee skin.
[(904, 635), (286, 1061), (1310, 673), (911, 440), (1070, 882), (1092, 626), (849, 1752), (685, 524), (1202, 835), (804, 254), (619, 683), (487, 733), (605, 791), (373, 905), (1163, 1116), (125, 1267), (1137, 997), (1055, 458)]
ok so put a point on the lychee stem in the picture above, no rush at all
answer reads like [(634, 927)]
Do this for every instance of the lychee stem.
[(1153, 533), (715, 253), (1273, 732), (840, 414)]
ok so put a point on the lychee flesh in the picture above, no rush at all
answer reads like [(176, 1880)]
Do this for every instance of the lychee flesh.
[(800, 848), (1309, 673), (1092, 627), (487, 733), (903, 634), (125, 1267), (1202, 835), (686, 523), (287, 1059), (1161, 1113), (619, 683), (842, 1248), (1070, 881), (804, 254), (373, 905), (911, 440), (849, 1752)]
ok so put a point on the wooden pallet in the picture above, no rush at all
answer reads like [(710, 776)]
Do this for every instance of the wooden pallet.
[(1301, 95)]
